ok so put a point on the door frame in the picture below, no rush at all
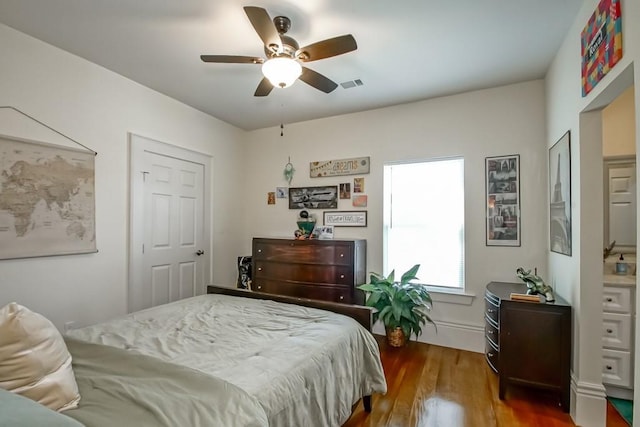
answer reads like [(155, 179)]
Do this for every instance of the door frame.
[(138, 146)]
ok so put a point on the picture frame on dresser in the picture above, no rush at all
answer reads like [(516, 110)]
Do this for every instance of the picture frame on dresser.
[(502, 185)]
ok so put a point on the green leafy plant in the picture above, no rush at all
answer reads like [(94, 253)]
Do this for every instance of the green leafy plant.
[(399, 303)]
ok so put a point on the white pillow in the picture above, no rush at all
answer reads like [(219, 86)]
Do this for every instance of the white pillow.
[(34, 360)]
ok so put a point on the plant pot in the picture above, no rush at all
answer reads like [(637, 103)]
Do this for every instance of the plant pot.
[(396, 337)]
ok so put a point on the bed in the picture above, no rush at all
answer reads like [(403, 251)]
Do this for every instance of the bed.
[(221, 359)]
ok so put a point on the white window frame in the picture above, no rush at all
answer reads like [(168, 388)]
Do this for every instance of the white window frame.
[(457, 295)]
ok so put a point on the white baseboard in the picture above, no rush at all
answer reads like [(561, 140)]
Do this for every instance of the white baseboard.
[(588, 403), (619, 392), (462, 336)]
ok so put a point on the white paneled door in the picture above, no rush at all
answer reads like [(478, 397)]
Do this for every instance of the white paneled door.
[(622, 204), (168, 212)]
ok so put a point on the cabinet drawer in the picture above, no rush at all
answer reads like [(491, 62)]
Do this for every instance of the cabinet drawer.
[(616, 331), (304, 290), (492, 355), (491, 311), (616, 368), (300, 251), (491, 333), (341, 275), (616, 299)]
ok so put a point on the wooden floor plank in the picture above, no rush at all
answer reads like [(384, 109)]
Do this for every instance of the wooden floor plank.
[(432, 386)]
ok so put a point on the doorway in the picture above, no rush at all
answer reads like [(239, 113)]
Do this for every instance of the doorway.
[(169, 223), (605, 358)]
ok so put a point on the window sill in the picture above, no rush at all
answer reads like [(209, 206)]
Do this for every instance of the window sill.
[(450, 296)]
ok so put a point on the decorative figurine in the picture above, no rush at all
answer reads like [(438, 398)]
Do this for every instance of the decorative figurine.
[(306, 224), (535, 284)]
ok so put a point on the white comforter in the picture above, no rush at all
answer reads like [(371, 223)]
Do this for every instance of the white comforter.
[(307, 367)]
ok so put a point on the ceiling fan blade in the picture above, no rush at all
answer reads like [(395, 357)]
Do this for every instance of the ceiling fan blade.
[(327, 48), (264, 26), (317, 80), (232, 59), (264, 88)]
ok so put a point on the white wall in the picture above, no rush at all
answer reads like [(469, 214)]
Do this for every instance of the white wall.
[(98, 108), (619, 126), (580, 276), (500, 121)]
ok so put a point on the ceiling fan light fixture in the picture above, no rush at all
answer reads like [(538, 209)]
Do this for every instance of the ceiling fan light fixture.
[(281, 71)]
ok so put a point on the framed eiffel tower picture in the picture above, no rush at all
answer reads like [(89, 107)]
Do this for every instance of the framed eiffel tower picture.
[(560, 195)]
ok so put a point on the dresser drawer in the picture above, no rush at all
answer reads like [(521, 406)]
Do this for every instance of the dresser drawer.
[(341, 275), (492, 334), (304, 290), (616, 299), (492, 355), (300, 251), (616, 368), (616, 331), (491, 311)]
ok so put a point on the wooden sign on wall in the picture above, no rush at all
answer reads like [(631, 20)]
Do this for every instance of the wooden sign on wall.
[(354, 166)]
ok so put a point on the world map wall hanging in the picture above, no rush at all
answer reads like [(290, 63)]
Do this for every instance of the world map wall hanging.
[(601, 43), (47, 190)]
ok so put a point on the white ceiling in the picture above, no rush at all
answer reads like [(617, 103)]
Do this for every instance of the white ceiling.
[(408, 50)]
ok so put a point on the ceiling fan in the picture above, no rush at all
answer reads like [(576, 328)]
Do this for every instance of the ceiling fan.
[(282, 66)]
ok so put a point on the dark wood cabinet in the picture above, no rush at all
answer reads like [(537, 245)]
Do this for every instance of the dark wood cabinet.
[(327, 270), (528, 343)]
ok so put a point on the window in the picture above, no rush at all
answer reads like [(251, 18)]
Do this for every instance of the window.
[(424, 220)]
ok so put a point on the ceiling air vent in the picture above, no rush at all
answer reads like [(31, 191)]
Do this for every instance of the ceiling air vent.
[(351, 83)]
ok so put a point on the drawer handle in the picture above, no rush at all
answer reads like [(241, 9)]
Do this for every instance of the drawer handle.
[(490, 310), (609, 367), (259, 287), (609, 299), (490, 354), (342, 276), (259, 268), (259, 250), (491, 331), (341, 297), (341, 255), (609, 331)]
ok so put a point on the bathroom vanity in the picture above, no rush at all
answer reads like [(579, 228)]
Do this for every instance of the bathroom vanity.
[(618, 324)]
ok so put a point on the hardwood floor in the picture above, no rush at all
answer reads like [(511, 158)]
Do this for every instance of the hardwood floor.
[(432, 386)]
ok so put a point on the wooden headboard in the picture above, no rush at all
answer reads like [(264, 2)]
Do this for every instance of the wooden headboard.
[(361, 314)]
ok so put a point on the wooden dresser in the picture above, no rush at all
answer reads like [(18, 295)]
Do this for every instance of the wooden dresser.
[(528, 343), (327, 270)]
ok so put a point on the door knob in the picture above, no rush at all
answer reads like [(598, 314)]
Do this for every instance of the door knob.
[(200, 252)]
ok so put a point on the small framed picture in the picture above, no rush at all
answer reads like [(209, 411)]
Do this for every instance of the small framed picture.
[(282, 192), (346, 218), (271, 198), (325, 232), (358, 185), (359, 201), (345, 190)]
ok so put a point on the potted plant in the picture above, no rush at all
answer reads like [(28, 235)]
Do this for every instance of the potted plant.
[(402, 306)]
